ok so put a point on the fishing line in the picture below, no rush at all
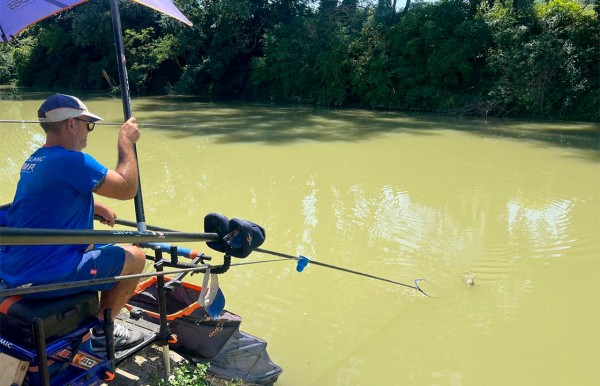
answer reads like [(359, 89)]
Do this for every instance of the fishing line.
[(106, 123)]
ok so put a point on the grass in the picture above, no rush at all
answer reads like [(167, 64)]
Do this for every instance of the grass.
[(187, 374)]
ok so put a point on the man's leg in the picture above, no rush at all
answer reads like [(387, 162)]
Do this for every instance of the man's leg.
[(124, 260), (103, 262), (117, 297)]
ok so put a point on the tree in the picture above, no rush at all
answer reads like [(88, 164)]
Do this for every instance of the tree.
[(547, 68)]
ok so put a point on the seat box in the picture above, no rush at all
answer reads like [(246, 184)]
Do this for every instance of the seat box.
[(59, 316)]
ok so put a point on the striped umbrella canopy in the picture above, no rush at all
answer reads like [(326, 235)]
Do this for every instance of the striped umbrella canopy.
[(17, 15)]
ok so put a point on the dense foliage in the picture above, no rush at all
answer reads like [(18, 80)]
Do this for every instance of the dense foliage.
[(476, 57)]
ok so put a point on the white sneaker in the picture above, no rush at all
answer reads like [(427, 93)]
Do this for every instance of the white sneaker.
[(124, 338)]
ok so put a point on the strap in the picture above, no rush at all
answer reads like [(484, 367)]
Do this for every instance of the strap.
[(8, 302), (203, 292), (211, 297)]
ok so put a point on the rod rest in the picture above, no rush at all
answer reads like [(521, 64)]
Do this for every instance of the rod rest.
[(222, 268)]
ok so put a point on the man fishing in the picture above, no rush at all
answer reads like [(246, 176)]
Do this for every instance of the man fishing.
[(56, 190)]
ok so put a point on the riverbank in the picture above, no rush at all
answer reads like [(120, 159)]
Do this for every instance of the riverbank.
[(146, 368)]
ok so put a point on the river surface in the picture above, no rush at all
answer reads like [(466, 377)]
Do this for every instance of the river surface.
[(500, 217)]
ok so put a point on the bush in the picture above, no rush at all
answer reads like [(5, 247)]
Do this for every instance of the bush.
[(187, 374)]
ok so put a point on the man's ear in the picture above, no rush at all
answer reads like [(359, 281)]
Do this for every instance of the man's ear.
[(70, 125)]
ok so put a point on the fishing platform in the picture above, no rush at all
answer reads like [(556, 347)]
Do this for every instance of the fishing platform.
[(46, 342)]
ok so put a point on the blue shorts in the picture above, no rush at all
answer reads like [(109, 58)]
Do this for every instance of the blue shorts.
[(101, 262)]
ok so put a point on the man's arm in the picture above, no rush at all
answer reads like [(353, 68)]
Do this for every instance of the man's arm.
[(122, 183)]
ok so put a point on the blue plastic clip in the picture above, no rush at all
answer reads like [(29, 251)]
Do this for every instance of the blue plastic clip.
[(302, 263)]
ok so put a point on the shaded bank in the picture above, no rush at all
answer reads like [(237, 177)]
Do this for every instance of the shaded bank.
[(452, 56)]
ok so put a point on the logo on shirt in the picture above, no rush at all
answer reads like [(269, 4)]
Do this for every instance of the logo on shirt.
[(30, 164)]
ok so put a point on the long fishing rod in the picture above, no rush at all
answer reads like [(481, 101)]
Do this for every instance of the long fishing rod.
[(302, 261), (39, 236), (98, 123)]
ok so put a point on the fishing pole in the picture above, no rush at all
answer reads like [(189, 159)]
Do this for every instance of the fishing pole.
[(302, 261), (85, 283), (101, 123)]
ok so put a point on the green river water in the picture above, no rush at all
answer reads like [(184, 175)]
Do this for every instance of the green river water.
[(511, 207)]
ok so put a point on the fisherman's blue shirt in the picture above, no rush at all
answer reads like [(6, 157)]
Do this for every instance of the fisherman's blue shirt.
[(54, 191)]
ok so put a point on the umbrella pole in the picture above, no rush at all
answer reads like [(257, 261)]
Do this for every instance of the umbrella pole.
[(139, 204), (3, 35), (124, 84)]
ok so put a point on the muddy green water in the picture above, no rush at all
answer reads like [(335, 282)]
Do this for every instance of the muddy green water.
[(513, 206)]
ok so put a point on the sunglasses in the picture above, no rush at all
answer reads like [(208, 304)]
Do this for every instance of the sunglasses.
[(90, 125)]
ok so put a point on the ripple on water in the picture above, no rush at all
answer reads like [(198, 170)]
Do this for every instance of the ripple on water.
[(543, 228)]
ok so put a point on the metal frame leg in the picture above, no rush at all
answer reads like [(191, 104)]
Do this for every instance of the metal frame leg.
[(40, 348)]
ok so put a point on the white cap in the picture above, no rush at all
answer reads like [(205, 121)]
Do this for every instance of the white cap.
[(60, 107)]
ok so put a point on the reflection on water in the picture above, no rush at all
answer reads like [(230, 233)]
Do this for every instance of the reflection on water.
[(512, 206), (546, 228)]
